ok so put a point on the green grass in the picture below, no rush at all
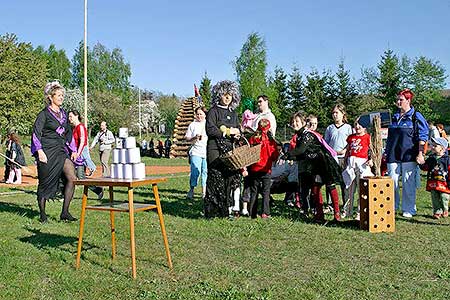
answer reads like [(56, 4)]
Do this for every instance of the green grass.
[(281, 258)]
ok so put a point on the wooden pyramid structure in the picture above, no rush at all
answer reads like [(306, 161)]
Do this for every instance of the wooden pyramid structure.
[(184, 118)]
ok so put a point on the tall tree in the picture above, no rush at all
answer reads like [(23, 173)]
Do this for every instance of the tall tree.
[(389, 79), (295, 92), (427, 79), (316, 97), (346, 90), (107, 71), (251, 66), (22, 79), (280, 99), (58, 65), (368, 83), (168, 108), (205, 90)]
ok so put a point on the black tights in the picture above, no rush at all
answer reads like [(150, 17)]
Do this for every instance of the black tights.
[(69, 188)]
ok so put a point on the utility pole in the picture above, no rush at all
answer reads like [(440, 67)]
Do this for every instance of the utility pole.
[(140, 119)]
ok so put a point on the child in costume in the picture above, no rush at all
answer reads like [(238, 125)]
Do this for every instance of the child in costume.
[(259, 173), (438, 166), (357, 162), (314, 158)]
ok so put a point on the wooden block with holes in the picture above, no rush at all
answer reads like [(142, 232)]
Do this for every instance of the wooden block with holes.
[(376, 195)]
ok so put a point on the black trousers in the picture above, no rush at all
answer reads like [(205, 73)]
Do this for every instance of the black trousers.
[(259, 184)]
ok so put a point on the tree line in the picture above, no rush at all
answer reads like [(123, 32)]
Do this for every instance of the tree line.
[(24, 71), (317, 92)]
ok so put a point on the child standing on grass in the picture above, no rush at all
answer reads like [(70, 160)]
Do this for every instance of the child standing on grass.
[(17, 159), (357, 164), (315, 158), (259, 173), (438, 165)]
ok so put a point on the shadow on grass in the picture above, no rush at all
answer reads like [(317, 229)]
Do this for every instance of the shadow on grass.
[(42, 240), (25, 191), (429, 221), (17, 209), (46, 241)]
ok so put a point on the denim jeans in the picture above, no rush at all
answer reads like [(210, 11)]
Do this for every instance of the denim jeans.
[(408, 172), (87, 159), (198, 166)]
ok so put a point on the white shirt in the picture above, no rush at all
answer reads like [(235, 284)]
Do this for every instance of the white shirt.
[(269, 116), (199, 147), (336, 137)]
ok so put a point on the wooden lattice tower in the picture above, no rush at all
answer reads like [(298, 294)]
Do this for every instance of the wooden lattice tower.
[(184, 118)]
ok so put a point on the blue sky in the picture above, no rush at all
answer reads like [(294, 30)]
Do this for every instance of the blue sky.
[(170, 44)]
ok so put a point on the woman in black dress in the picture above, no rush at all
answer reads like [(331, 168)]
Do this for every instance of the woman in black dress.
[(222, 128), (54, 149)]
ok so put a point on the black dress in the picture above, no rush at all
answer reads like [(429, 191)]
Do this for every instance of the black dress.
[(53, 135), (221, 181), (314, 159)]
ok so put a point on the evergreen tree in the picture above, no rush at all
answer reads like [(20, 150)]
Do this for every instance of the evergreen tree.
[(251, 66), (406, 72), (316, 97), (427, 79), (368, 83), (22, 80), (346, 90), (280, 100), (295, 91), (389, 79), (205, 90)]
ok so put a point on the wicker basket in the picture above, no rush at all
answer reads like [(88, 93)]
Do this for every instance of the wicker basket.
[(243, 156)]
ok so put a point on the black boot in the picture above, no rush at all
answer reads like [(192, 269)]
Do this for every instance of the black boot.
[(42, 215), (67, 217)]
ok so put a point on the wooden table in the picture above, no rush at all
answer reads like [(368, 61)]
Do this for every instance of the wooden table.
[(129, 208)]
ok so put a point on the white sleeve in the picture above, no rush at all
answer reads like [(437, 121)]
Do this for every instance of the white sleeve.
[(326, 135), (190, 131)]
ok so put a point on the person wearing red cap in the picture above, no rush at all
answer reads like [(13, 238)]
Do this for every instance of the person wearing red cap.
[(407, 136)]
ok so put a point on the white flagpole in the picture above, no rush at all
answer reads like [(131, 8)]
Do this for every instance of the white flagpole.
[(85, 64)]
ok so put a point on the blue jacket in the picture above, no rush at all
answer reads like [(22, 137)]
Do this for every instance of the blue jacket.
[(402, 144)]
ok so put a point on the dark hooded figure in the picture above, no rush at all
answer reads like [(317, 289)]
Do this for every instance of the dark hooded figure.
[(222, 128)]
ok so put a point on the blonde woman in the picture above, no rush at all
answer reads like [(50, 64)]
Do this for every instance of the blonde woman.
[(54, 149)]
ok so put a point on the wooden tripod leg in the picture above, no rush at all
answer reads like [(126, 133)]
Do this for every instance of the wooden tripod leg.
[(132, 240), (113, 228), (161, 224), (80, 236)]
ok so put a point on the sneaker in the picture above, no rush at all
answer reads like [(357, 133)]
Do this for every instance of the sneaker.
[(407, 215), (290, 203), (190, 194), (343, 215), (445, 214), (437, 216), (357, 218), (265, 216), (244, 212), (328, 209)]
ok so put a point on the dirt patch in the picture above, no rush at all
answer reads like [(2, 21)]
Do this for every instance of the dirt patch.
[(30, 178)]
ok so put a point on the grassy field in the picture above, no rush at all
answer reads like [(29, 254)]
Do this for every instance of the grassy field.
[(281, 258)]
